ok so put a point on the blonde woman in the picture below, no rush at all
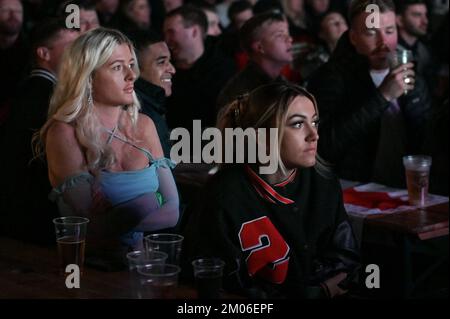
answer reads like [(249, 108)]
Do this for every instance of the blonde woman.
[(104, 158), (284, 234)]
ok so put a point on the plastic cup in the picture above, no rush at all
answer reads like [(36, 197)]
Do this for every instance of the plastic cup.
[(159, 281), (71, 241), (171, 244), (208, 274), (137, 259), (417, 169)]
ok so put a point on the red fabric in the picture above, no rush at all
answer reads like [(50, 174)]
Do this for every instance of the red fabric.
[(241, 59), (378, 200)]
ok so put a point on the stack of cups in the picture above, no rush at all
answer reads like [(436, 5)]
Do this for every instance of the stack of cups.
[(158, 281), (139, 259)]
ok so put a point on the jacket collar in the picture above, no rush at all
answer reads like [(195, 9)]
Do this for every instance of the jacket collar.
[(267, 191), (40, 72), (152, 94)]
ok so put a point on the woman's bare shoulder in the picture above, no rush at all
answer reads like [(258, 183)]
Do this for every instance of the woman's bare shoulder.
[(60, 130), (64, 154)]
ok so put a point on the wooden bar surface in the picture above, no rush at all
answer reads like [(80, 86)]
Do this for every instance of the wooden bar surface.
[(30, 271), (426, 223)]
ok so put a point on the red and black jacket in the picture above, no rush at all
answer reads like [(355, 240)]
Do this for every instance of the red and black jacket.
[(277, 240)]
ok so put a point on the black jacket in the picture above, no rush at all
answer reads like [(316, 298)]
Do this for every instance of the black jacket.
[(195, 90), (351, 108), (290, 244), (153, 104), (25, 209)]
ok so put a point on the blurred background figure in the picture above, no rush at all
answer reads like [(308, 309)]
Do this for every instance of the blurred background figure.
[(331, 27), (316, 9), (267, 41), (88, 17), (106, 10), (202, 70), (13, 52), (299, 23), (239, 12), (214, 28), (170, 5), (132, 16), (412, 23), (26, 210)]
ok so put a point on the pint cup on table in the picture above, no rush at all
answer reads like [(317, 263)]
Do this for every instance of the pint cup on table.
[(208, 277), (417, 169), (159, 281), (171, 244), (71, 240)]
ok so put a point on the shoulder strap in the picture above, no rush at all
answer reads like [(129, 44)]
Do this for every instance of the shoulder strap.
[(112, 134)]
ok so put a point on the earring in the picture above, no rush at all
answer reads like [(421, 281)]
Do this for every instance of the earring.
[(90, 100)]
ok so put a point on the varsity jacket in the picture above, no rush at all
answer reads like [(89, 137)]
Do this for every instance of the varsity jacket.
[(279, 240)]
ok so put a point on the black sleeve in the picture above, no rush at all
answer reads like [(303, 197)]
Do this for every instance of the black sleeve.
[(341, 254), (341, 126)]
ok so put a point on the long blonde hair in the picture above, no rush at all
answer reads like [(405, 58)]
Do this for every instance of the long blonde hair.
[(267, 107), (72, 99)]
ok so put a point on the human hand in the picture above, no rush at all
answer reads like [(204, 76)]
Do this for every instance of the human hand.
[(398, 82), (331, 285)]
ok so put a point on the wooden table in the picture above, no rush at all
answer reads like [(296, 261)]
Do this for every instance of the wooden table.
[(427, 223), (411, 232), (30, 271)]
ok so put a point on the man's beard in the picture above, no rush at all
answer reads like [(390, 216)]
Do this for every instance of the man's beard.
[(415, 32)]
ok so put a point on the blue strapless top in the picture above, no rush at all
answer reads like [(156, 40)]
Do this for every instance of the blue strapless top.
[(118, 187)]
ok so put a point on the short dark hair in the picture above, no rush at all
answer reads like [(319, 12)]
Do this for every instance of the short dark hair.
[(238, 7), (143, 39), (251, 27), (359, 6), (46, 32), (402, 5), (191, 16)]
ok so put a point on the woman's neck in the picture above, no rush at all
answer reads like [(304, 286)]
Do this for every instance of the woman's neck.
[(109, 116)]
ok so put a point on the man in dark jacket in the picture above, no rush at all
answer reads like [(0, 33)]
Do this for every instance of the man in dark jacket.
[(155, 83), (368, 123), (201, 70)]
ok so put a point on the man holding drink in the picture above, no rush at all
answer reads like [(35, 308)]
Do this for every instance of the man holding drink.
[(367, 121)]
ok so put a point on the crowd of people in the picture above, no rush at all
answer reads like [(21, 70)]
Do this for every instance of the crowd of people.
[(86, 115)]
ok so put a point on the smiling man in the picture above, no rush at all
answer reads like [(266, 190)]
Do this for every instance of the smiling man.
[(155, 82)]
